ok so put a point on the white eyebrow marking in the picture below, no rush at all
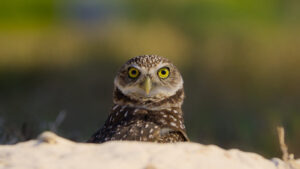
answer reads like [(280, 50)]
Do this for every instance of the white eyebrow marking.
[(160, 65)]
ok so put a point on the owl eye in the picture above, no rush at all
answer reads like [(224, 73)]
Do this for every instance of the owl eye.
[(163, 73), (133, 72)]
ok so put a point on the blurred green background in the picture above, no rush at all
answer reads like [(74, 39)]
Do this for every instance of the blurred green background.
[(240, 61)]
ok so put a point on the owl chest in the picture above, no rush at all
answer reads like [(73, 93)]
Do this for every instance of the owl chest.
[(142, 125)]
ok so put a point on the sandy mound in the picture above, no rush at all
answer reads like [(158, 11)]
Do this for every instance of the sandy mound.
[(52, 152)]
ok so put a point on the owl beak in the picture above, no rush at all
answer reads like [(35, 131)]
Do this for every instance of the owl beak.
[(147, 85)]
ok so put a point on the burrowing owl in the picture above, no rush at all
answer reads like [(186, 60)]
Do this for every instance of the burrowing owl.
[(148, 95)]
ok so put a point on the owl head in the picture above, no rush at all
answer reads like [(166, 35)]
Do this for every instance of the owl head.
[(148, 78)]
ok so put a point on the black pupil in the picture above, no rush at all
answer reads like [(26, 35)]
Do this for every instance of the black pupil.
[(133, 72), (163, 72)]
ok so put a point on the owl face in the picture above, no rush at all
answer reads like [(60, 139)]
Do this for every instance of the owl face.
[(148, 77)]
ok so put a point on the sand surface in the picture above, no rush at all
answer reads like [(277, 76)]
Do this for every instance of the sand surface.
[(50, 151)]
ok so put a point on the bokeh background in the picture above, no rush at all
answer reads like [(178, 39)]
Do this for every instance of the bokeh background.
[(240, 61)]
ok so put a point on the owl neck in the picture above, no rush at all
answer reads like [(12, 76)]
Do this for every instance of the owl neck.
[(174, 101)]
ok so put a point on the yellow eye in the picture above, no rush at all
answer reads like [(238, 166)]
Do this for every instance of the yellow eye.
[(163, 73), (133, 72)]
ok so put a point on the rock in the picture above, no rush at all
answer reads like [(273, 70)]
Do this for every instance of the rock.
[(50, 151)]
